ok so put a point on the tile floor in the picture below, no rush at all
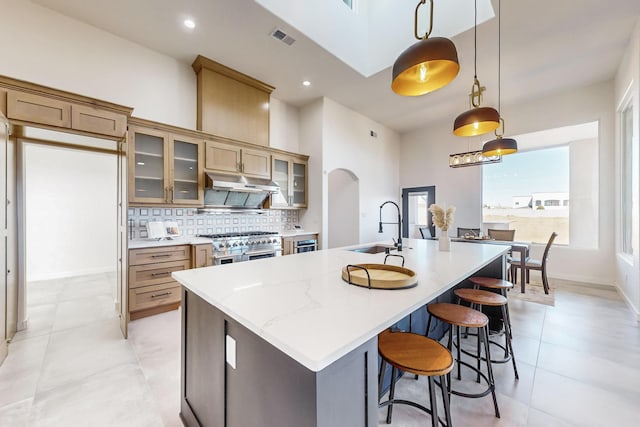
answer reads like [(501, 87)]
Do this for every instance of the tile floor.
[(579, 364)]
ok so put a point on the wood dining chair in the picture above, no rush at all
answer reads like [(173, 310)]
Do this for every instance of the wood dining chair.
[(534, 264), (505, 235)]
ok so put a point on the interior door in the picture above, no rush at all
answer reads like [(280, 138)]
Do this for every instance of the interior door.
[(4, 136), (121, 269), (408, 217)]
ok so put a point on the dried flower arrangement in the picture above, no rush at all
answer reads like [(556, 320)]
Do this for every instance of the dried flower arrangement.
[(442, 218)]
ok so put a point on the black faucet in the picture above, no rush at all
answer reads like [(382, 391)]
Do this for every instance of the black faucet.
[(398, 243)]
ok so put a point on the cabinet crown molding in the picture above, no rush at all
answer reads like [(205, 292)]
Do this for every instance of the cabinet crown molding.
[(203, 62)]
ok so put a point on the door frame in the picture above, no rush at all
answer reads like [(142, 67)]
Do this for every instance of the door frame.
[(431, 199)]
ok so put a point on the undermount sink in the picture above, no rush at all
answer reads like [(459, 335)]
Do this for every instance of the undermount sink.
[(375, 249)]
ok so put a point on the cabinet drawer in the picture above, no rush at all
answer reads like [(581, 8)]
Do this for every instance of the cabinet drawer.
[(154, 274), (162, 254), (153, 296), (38, 109), (97, 121)]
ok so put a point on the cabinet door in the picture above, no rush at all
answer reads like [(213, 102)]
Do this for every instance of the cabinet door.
[(222, 157), (185, 174), (97, 121), (280, 175), (256, 163), (38, 109), (202, 255), (299, 184), (4, 127), (148, 160)]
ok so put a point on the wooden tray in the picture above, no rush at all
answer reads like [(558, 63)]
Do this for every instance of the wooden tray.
[(381, 276)]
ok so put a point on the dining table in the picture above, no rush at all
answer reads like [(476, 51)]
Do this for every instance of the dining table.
[(521, 247)]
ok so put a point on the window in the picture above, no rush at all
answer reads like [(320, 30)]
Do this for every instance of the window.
[(626, 183), (550, 185), (349, 3)]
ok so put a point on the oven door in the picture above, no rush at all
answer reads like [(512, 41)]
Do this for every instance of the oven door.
[(267, 253), (226, 258), (305, 246)]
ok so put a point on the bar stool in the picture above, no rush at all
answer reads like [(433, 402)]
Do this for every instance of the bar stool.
[(478, 298), (493, 283), (461, 316), (417, 355)]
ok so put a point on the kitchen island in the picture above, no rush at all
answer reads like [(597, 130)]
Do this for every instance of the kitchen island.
[(286, 342)]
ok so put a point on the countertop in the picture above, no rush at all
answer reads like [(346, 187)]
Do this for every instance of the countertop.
[(154, 243), (294, 233), (300, 304)]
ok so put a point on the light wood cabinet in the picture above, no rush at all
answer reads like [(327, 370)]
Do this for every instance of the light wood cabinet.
[(28, 107), (201, 255), (230, 158), (231, 104), (165, 168), (291, 174), (151, 288)]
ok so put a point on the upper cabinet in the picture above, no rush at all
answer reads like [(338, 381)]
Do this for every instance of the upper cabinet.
[(290, 173), (233, 158), (30, 104), (231, 104), (165, 167)]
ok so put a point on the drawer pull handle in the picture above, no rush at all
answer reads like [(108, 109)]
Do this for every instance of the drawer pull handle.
[(160, 256), (166, 294), (163, 273)]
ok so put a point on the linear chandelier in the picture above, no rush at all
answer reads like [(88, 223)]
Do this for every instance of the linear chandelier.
[(472, 158)]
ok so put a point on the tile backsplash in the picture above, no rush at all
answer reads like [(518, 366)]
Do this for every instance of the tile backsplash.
[(190, 222)]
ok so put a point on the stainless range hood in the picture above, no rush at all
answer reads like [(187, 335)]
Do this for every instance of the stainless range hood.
[(236, 191)]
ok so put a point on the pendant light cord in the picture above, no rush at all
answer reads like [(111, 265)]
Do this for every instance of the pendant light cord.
[(475, 40), (499, 50)]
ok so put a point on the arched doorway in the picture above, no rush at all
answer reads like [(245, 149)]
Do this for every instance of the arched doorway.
[(344, 208)]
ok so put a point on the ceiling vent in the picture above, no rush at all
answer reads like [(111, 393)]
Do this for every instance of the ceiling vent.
[(278, 34)]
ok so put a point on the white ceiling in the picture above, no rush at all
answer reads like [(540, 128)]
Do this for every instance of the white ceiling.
[(547, 46)]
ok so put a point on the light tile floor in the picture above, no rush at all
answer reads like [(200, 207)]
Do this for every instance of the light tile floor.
[(579, 365)]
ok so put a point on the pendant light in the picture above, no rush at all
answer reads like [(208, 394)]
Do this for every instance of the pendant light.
[(426, 65), (499, 146), (478, 120)]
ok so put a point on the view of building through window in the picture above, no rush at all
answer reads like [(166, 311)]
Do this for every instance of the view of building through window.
[(529, 192)]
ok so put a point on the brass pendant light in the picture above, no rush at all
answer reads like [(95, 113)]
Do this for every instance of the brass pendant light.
[(499, 146), (478, 120), (426, 65)]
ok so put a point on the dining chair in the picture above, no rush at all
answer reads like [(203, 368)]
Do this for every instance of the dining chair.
[(534, 264), (504, 235), (464, 232), (425, 232)]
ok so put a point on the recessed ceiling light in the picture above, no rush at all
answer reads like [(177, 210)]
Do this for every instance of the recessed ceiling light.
[(306, 83), (189, 24)]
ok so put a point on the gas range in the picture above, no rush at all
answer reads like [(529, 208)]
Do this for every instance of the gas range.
[(244, 246)]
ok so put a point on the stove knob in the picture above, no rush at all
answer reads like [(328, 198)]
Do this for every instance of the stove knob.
[(227, 245)]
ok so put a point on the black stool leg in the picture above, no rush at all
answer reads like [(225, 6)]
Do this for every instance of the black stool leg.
[(458, 350), (434, 402), (509, 346), (391, 393), (383, 368), (478, 356), (445, 399), (487, 351)]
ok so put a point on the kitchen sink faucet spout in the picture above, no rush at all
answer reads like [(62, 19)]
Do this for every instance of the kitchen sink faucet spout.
[(398, 243)]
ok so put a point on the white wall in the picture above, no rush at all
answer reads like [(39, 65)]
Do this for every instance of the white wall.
[(70, 198), (424, 159), (283, 126), (626, 85), (315, 217)]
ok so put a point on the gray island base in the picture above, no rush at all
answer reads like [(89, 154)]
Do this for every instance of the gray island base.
[(242, 368)]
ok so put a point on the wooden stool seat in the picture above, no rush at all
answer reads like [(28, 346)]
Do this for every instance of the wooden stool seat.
[(414, 353), (477, 296), (458, 315), (491, 282)]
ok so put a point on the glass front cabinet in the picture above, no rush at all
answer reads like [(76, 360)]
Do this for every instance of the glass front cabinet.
[(290, 173), (165, 168)]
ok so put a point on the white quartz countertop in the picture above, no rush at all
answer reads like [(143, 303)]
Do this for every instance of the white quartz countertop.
[(154, 243), (294, 233), (300, 304)]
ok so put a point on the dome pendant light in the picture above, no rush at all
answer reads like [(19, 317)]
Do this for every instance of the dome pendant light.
[(478, 120), (426, 65), (499, 146)]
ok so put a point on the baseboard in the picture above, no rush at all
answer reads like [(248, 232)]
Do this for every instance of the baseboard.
[(583, 279), (629, 302), (65, 274)]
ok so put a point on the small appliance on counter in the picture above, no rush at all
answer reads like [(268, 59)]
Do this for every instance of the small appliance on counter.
[(162, 230)]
